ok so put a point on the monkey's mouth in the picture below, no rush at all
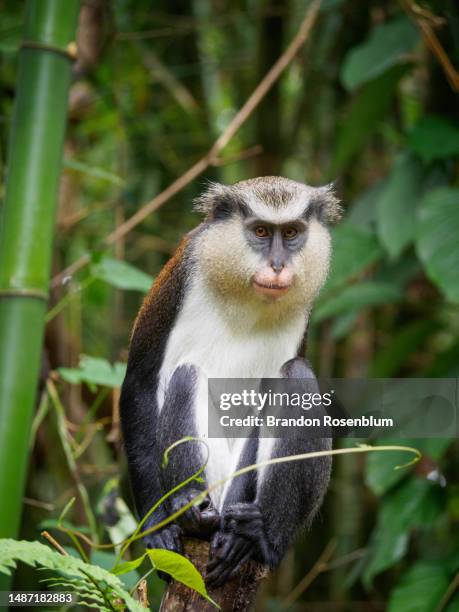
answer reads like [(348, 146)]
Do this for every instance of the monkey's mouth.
[(273, 290)]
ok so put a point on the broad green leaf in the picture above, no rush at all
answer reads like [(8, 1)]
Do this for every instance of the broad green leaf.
[(121, 275), (354, 248), (437, 241), (180, 569), (396, 205), (128, 566), (420, 589), (95, 371), (356, 297), (388, 44), (363, 116), (434, 138), (36, 554), (413, 503)]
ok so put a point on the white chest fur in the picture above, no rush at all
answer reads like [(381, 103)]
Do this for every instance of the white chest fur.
[(225, 342)]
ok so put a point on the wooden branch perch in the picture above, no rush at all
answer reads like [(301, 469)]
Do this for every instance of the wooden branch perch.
[(236, 595), (211, 158)]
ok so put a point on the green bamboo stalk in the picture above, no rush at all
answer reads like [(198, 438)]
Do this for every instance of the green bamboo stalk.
[(26, 232)]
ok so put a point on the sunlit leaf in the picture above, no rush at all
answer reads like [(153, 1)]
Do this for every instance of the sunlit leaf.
[(96, 371), (179, 568)]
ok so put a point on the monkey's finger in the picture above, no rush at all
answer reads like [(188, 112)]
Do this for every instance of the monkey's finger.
[(239, 565), (223, 550), (233, 550), (215, 543), (231, 565)]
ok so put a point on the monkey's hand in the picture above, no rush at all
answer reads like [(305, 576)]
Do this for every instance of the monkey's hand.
[(200, 520), (240, 538)]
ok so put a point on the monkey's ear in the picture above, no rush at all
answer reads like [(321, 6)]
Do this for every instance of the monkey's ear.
[(217, 202), (326, 205)]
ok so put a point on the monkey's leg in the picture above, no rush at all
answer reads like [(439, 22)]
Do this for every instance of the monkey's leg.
[(177, 421), (287, 496)]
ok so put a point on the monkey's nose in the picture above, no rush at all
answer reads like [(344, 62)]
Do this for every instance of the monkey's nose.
[(277, 265)]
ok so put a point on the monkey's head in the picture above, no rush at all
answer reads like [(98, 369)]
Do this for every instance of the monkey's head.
[(266, 239)]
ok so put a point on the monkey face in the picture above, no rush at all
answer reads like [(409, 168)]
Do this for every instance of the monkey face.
[(266, 240), (253, 260)]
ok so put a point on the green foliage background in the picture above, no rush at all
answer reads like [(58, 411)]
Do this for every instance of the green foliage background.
[(365, 104)]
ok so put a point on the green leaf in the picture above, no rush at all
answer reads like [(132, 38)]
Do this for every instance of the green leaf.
[(437, 241), (180, 569), (388, 45), (356, 297), (354, 248), (128, 566), (412, 504), (121, 275), (363, 116), (396, 205), (434, 138), (420, 589), (36, 554), (95, 371)]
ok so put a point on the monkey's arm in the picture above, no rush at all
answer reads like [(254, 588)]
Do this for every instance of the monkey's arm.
[(139, 417), (288, 496)]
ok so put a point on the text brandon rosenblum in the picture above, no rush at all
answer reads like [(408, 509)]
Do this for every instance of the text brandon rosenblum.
[(303, 421)]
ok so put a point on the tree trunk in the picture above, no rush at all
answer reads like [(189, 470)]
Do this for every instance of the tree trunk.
[(26, 231), (237, 595)]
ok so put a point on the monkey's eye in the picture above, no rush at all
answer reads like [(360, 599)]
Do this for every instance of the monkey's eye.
[(289, 233), (261, 231)]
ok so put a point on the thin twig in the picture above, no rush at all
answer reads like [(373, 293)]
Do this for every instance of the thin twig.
[(318, 567), (54, 542), (211, 156), (142, 593), (426, 22), (36, 503), (454, 585)]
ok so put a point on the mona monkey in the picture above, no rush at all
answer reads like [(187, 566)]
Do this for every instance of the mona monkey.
[(233, 302)]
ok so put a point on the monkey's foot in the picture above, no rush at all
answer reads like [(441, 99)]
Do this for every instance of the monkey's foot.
[(168, 538), (201, 520), (240, 538)]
